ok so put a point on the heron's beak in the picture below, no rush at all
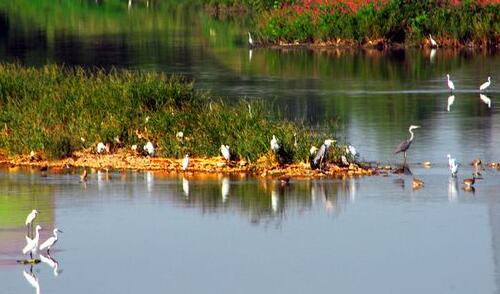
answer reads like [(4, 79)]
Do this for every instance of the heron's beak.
[(60, 231)]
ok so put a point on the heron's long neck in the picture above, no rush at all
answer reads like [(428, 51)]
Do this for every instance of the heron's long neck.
[(55, 235), (411, 135), (37, 235)]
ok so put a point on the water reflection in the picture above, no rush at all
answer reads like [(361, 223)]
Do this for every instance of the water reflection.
[(225, 188), (32, 279), (451, 100), (52, 263), (185, 187), (452, 189), (485, 99)]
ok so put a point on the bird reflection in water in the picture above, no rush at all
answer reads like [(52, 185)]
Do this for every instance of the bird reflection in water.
[(185, 187), (52, 263), (274, 200), (452, 189), (485, 99), (32, 279), (451, 100), (225, 189), (149, 178)]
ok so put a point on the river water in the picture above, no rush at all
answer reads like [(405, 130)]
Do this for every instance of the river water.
[(144, 232)]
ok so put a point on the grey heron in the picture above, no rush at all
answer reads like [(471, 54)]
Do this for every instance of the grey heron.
[(485, 85), (321, 154), (403, 146), (451, 86), (50, 241)]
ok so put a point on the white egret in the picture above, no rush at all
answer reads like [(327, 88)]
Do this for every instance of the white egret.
[(50, 241), (250, 40), (321, 154), (451, 100), (149, 149), (485, 85), (32, 280), (48, 260), (224, 149), (453, 166), (179, 135), (32, 244), (313, 150), (434, 44), (225, 188), (274, 144), (403, 146), (485, 99), (352, 150), (101, 147), (185, 186), (185, 162), (344, 160), (30, 218), (133, 147), (451, 86)]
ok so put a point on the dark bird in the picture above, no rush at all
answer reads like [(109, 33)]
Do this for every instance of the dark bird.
[(321, 154), (403, 146), (470, 182)]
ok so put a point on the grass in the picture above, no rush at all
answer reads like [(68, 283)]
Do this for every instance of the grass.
[(50, 109), (400, 21)]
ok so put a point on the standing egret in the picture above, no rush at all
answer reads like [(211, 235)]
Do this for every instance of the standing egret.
[(224, 149), (451, 100), (250, 40), (32, 244), (350, 149), (451, 86), (179, 135), (185, 162), (50, 241), (100, 148), (434, 44), (274, 144), (452, 166), (149, 149), (403, 146), (485, 85), (29, 220), (485, 99), (321, 154)]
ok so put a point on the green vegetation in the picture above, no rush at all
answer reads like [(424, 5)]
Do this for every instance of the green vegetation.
[(401, 21), (50, 109)]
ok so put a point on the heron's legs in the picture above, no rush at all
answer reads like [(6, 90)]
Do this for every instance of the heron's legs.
[(404, 163)]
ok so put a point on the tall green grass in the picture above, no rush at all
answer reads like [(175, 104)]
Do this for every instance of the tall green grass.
[(51, 108), (399, 21)]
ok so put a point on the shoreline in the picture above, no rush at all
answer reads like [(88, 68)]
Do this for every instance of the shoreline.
[(126, 160)]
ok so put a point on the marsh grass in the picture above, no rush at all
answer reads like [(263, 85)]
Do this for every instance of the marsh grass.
[(50, 109)]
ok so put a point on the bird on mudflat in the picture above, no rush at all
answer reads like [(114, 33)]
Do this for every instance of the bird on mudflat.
[(321, 154)]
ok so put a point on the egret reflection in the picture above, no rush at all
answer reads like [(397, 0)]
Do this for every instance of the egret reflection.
[(225, 189), (185, 187), (432, 55), (149, 178), (52, 263), (452, 189), (32, 280), (485, 99), (451, 100), (274, 200)]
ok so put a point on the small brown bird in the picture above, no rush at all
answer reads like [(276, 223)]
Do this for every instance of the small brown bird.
[(417, 183), (470, 182), (426, 164), (476, 162), (83, 176)]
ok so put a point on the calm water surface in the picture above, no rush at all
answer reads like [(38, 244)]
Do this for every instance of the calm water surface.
[(151, 233)]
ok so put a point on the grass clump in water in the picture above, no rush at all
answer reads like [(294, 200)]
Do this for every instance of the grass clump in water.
[(57, 110)]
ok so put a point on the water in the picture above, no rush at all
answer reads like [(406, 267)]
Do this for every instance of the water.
[(143, 233)]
